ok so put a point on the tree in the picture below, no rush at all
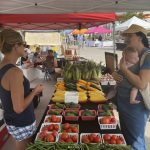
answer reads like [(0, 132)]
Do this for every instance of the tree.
[(129, 15)]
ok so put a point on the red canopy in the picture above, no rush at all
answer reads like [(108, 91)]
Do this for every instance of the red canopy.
[(55, 21)]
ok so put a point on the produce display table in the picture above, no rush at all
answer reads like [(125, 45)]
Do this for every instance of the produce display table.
[(85, 126)]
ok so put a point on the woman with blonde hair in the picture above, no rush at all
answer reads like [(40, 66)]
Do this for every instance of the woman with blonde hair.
[(15, 90)]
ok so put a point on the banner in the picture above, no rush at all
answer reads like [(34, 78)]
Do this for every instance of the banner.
[(42, 38)]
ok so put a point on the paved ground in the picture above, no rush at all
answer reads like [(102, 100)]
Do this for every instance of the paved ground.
[(96, 54)]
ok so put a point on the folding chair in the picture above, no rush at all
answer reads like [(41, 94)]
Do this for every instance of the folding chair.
[(111, 61), (47, 75)]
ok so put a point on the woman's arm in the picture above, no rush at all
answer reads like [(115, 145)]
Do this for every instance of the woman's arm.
[(139, 81), (17, 91)]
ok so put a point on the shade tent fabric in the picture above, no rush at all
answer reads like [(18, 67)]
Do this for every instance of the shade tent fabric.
[(99, 29), (55, 21), (133, 20)]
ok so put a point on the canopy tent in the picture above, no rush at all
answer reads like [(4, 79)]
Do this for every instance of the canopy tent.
[(99, 29), (55, 21), (81, 31), (133, 20), (71, 6)]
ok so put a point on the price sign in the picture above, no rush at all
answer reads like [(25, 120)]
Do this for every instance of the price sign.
[(72, 96), (60, 79)]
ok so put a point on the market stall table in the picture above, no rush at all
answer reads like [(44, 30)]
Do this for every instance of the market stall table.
[(84, 126)]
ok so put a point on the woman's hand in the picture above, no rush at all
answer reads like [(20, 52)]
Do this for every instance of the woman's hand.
[(117, 77), (123, 65), (38, 89)]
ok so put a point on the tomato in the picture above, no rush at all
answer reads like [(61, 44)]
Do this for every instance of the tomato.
[(66, 126), (69, 130), (42, 135), (97, 139), (50, 138), (69, 140), (114, 137), (54, 133), (53, 118), (105, 120), (75, 130), (121, 138), (92, 137), (45, 129), (112, 141), (64, 136), (56, 127), (113, 120), (107, 137), (85, 140), (58, 119), (51, 127), (74, 138), (118, 141)]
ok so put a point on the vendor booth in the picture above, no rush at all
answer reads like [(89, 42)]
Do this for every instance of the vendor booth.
[(78, 115)]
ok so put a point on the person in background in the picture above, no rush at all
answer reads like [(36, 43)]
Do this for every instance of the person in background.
[(133, 118), (25, 61), (100, 38), (36, 58), (49, 62), (24, 58), (101, 41), (15, 92), (27, 49)]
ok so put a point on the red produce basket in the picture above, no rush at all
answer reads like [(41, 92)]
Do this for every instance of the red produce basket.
[(50, 110), (51, 106), (100, 110), (71, 118), (79, 106), (88, 118)]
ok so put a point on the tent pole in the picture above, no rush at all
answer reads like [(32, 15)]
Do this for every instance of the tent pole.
[(114, 46)]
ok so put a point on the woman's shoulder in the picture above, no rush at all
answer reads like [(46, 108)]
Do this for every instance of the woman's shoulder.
[(15, 71)]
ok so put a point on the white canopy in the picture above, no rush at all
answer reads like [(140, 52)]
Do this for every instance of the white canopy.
[(133, 20)]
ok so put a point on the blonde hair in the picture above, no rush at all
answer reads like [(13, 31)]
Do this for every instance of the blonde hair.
[(8, 38)]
